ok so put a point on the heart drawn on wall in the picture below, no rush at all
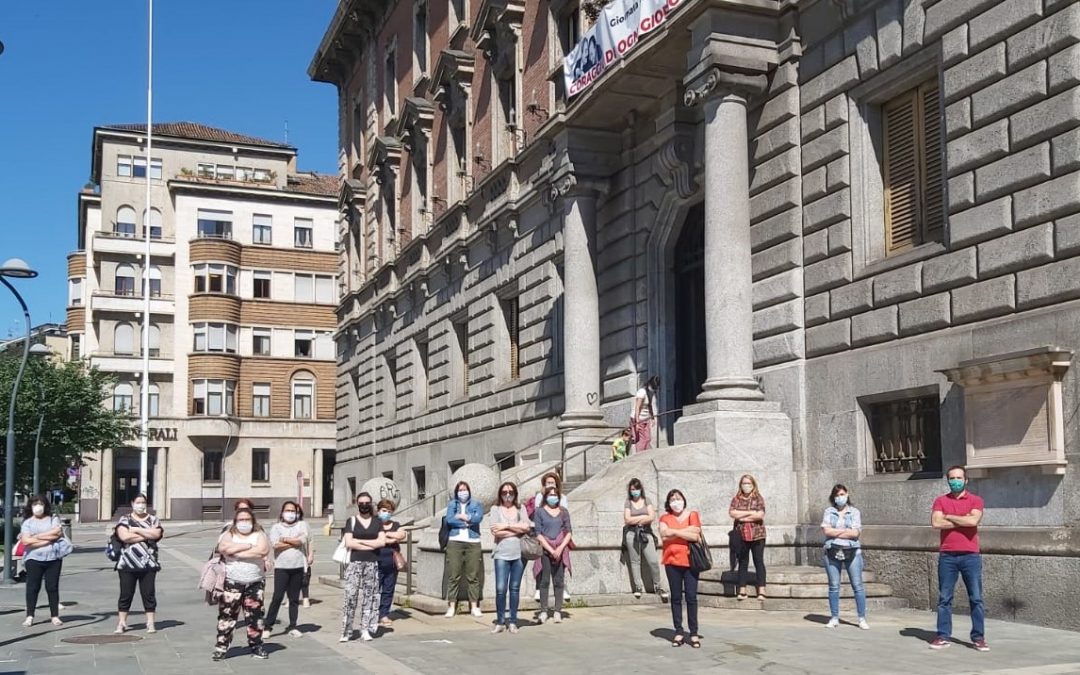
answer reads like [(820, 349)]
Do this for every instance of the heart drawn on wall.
[(592, 397)]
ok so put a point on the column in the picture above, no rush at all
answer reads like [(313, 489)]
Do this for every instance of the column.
[(161, 484), (581, 308), (728, 274), (317, 484), (108, 485)]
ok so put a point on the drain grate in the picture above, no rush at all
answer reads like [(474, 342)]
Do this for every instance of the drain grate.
[(107, 639)]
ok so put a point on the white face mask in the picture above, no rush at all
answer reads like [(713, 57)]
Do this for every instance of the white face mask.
[(747, 489), (289, 516), (244, 527), (38, 510), (676, 506), (139, 508)]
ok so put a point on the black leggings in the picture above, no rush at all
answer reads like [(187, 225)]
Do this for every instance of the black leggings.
[(145, 580), (289, 580), (37, 570), (757, 550)]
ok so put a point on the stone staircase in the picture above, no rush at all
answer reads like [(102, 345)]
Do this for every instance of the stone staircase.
[(792, 588)]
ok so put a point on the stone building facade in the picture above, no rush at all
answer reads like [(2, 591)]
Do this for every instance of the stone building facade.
[(243, 283), (844, 233)]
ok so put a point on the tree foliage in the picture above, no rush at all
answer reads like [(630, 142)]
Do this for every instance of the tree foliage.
[(79, 418)]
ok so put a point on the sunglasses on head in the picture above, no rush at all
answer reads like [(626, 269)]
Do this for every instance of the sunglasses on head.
[(507, 492)]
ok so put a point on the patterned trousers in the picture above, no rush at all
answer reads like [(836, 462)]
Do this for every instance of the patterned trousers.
[(236, 596), (361, 587)]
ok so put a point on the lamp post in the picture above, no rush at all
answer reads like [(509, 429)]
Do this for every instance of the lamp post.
[(16, 269), (39, 350), (224, 455)]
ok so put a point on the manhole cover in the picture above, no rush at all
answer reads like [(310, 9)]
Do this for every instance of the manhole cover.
[(110, 639)]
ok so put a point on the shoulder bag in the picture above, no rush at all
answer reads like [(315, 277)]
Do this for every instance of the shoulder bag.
[(341, 553), (700, 556), (444, 534)]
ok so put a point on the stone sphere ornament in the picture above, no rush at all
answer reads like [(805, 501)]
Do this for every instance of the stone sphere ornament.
[(482, 480), (381, 488)]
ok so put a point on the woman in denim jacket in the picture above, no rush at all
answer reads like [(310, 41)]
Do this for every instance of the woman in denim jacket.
[(463, 554), (842, 526)]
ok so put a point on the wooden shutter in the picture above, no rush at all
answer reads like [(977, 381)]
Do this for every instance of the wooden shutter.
[(900, 131), (511, 311), (933, 188)]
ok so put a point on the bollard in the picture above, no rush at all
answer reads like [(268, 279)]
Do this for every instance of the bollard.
[(65, 528)]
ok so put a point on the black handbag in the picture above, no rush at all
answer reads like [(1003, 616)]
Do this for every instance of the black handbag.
[(700, 556), (444, 534)]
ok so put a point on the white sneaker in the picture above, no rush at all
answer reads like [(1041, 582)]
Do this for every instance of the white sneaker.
[(542, 617), (536, 595), (266, 634), (306, 602), (863, 625), (833, 622), (56, 621), (498, 629), (29, 621), (449, 612), (343, 638), (476, 612), (513, 628), (637, 594), (366, 636), (565, 595), (295, 633), (557, 618)]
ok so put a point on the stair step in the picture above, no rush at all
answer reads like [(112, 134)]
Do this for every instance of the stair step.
[(798, 604), (782, 575), (818, 590)]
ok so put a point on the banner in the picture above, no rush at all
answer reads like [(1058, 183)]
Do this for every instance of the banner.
[(617, 30)]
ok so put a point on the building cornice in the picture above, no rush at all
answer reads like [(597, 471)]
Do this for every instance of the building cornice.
[(182, 186)]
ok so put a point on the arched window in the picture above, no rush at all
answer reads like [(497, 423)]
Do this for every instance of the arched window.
[(155, 281), (123, 394), (155, 223), (153, 399), (124, 339), (125, 280), (303, 395), (125, 221), (154, 339)]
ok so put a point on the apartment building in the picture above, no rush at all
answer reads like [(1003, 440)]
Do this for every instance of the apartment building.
[(242, 280), (843, 232)]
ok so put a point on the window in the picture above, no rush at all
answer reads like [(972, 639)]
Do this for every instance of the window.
[(906, 435), (459, 349), (123, 166), (123, 397), (420, 37), (260, 341), (215, 224), (458, 14), (419, 161), (390, 387), (302, 235), (153, 338), (454, 465), (125, 280), (458, 168), (420, 374), (155, 281), (505, 460), (212, 397), (912, 169), (303, 344), (390, 82), (76, 346), (262, 229), (139, 167), (211, 466), (243, 173), (261, 175), (260, 465), (303, 393), (389, 475), (155, 168), (506, 134), (225, 172), (569, 31), (511, 320), (153, 400), (155, 223), (205, 170), (324, 290), (309, 288), (75, 292), (125, 221), (215, 279), (419, 476), (214, 337), (261, 285), (260, 399), (124, 339)]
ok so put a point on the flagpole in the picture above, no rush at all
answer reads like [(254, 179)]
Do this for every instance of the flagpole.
[(144, 403)]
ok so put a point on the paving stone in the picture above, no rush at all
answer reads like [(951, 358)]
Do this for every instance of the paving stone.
[(1026, 248), (949, 270), (984, 300), (925, 314)]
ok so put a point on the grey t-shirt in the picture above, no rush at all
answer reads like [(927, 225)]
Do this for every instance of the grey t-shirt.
[(510, 547), (551, 526), (290, 558), (33, 527), (635, 511)]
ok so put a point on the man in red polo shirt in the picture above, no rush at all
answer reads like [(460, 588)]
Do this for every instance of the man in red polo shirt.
[(957, 515)]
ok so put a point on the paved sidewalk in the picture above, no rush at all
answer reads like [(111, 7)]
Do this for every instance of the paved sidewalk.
[(599, 640)]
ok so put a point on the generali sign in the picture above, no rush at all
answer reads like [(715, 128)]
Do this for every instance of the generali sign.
[(617, 30)]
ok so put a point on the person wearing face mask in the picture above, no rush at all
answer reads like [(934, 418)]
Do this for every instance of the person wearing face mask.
[(388, 559), (550, 479), (508, 523), (363, 536), (747, 509), (239, 504), (957, 515), (679, 527), (842, 526), (463, 554), (139, 532), (290, 539), (553, 531), (244, 549), (40, 530), (638, 537)]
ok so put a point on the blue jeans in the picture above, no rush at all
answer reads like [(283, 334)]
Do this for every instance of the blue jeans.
[(387, 581), (969, 567), (508, 573), (853, 561)]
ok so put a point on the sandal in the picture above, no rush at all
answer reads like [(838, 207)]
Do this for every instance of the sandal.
[(695, 642), (678, 641), (742, 596)]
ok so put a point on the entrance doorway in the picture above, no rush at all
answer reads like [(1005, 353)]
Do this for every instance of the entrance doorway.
[(688, 274), (328, 462), (126, 478)]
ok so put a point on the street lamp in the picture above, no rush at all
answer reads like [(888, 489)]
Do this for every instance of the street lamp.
[(39, 350), (15, 268)]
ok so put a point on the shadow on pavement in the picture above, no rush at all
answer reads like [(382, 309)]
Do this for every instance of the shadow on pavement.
[(816, 618), (665, 634), (69, 623), (926, 636)]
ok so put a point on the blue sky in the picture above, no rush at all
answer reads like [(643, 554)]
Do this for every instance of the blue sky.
[(68, 66)]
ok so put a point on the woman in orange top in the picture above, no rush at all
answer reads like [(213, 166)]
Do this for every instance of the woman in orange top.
[(679, 527)]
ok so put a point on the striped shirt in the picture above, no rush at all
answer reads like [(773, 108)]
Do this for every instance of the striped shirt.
[(140, 555)]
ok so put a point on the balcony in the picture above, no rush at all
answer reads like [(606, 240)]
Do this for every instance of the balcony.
[(214, 249), (105, 301), (130, 363), (111, 242)]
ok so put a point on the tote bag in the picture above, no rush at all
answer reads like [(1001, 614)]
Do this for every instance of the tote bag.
[(341, 553)]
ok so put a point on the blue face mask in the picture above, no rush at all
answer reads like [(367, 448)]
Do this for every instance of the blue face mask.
[(957, 484), (463, 495), (385, 515), (552, 500), (635, 493), (840, 501)]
